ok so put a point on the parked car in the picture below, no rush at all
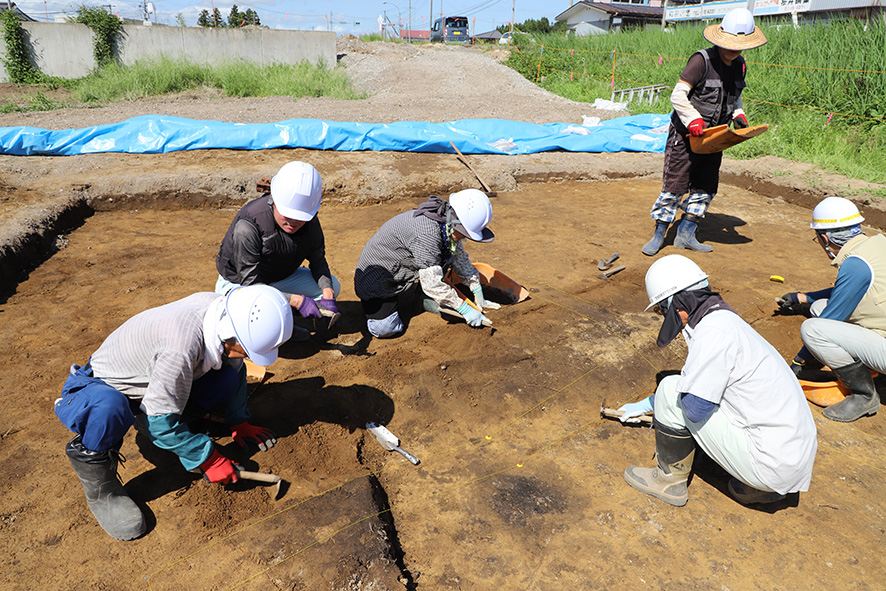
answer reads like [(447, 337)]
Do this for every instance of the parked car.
[(506, 38), (451, 29)]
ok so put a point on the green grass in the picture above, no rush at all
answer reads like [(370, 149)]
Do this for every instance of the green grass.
[(38, 102), (835, 70), (240, 79)]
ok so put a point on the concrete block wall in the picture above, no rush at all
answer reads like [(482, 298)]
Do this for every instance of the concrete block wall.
[(65, 49)]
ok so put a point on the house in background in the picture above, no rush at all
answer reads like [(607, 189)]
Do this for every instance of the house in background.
[(490, 37), (798, 11), (414, 36), (594, 18), (4, 6)]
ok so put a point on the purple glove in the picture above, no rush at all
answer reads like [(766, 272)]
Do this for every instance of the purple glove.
[(308, 308), (329, 305)]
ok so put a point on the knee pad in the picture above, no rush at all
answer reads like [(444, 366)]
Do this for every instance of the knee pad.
[(385, 327)]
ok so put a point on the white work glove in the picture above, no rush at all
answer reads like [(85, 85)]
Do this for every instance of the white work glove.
[(632, 410), (482, 301), (472, 315)]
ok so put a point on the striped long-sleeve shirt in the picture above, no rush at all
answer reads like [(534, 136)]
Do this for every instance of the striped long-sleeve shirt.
[(403, 247), (157, 354)]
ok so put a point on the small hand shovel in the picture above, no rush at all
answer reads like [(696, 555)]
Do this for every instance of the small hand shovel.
[(390, 442)]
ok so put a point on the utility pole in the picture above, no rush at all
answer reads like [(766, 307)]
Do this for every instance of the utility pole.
[(410, 21)]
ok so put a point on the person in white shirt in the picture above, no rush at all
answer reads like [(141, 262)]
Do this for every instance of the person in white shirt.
[(735, 398)]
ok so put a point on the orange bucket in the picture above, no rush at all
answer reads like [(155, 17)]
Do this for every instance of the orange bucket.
[(824, 393)]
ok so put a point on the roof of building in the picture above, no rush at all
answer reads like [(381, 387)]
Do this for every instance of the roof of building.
[(4, 6), (492, 35), (616, 9)]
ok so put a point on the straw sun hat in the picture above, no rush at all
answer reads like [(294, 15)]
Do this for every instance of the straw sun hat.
[(737, 32)]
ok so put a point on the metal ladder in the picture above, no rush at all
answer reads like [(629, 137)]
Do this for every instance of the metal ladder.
[(644, 94)]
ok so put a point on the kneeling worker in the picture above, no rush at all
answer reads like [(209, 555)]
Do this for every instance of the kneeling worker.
[(848, 331), (184, 354), (273, 235), (421, 245), (735, 397)]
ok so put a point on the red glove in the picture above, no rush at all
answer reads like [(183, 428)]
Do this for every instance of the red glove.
[(740, 122), (219, 469), (261, 436), (696, 128)]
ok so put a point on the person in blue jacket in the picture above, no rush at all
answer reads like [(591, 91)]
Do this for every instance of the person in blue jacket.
[(187, 354), (847, 331)]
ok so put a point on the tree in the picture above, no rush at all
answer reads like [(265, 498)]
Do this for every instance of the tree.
[(203, 19), (217, 20), (180, 20), (235, 17), (537, 26), (252, 17)]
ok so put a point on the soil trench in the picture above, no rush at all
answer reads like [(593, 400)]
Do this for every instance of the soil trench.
[(520, 482)]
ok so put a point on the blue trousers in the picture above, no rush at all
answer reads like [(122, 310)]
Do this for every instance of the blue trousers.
[(102, 415)]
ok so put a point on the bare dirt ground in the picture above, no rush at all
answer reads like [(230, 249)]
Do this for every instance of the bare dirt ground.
[(520, 484)]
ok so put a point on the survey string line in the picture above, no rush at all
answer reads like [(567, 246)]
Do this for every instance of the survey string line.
[(486, 441)]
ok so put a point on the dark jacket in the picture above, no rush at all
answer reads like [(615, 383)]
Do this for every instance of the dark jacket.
[(256, 250), (716, 94)]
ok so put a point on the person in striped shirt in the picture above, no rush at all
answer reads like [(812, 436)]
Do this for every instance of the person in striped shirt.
[(183, 356), (421, 246)]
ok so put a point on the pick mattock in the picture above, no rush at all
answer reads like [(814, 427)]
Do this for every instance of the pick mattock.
[(262, 477)]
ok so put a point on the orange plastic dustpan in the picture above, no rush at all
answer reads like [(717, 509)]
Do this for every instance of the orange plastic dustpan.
[(717, 139)]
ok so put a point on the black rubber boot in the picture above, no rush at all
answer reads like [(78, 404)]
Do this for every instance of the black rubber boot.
[(118, 515), (863, 400), (654, 245), (686, 235), (674, 451)]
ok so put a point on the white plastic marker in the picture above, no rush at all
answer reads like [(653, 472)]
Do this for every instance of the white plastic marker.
[(389, 441)]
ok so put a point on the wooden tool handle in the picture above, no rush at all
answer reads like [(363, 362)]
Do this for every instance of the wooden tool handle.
[(258, 476), (613, 413)]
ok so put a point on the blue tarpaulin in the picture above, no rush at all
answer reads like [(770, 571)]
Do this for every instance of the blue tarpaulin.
[(157, 134)]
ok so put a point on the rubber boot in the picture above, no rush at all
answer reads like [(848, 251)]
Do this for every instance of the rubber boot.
[(118, 515), (686, 235), (674, 451), (747, 495), (863, 400), (654, 245), (430, 305)]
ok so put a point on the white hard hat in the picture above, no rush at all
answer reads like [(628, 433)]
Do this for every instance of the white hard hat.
[(262, 320), (671, 274), (738, 21), (835, 212), (737, 31), (297, 189), (474, 211)]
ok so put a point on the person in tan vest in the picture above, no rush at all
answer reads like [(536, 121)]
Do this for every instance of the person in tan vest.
[(847, 330)]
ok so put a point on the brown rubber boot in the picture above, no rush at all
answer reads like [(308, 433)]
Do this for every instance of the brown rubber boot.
[(674, 451)]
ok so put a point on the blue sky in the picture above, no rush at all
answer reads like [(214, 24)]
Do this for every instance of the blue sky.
[(340, 16)]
